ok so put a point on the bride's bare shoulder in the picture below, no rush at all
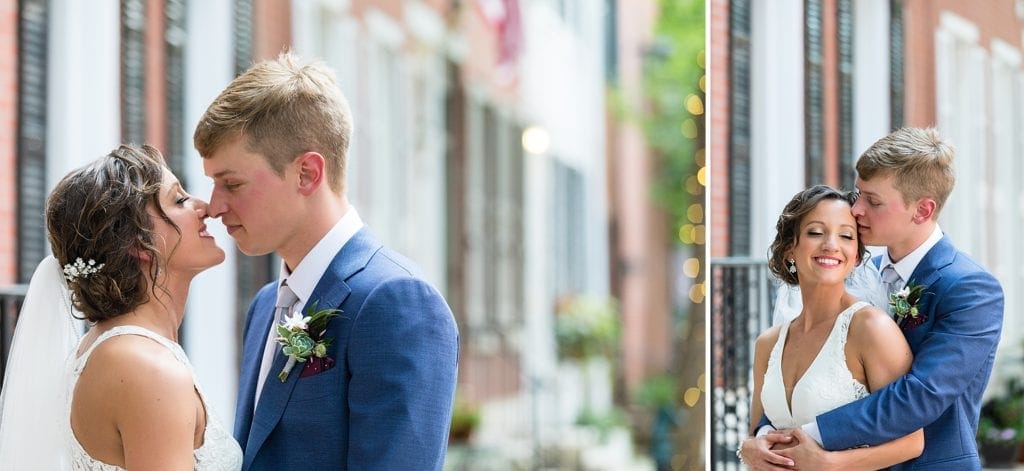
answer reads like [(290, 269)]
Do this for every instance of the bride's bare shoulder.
[(768, 338), (129, 366)]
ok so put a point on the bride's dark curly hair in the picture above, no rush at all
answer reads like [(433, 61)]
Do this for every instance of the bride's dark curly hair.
[(787, 229), (99, 212)]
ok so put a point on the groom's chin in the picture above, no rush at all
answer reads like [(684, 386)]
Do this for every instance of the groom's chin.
[(251, 251)]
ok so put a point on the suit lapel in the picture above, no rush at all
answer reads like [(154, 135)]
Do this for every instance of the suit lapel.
[(929, 271), (330, 291), (254, 341)]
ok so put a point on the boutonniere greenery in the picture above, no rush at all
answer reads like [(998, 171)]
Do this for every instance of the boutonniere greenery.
[(302, 337), (904, 304)]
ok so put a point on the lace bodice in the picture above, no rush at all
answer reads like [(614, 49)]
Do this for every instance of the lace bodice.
[(825, 385), (219, 450)]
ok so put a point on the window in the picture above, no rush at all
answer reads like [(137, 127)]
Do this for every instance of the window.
[(33, 43)]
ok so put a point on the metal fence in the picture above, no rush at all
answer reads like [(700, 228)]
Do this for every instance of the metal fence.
[(11, 298), (742, 295)]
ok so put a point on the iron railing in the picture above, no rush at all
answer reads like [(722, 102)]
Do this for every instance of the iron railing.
[(11, 298), (741, 305)]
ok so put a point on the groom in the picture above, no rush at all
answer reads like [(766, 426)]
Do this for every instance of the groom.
[(904, 180), (275, 142)]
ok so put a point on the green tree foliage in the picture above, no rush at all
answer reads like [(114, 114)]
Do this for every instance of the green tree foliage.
[(674, 119)]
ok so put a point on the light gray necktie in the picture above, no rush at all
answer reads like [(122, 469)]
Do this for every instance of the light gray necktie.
[(285, 300), (892, 280)]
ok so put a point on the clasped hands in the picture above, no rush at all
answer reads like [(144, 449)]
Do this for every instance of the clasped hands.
[(785, 449)]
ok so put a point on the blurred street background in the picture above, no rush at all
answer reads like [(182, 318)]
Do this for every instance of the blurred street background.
[(542, 160)]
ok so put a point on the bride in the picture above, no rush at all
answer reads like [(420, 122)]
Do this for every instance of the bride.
[(837, 350), (127, 241)]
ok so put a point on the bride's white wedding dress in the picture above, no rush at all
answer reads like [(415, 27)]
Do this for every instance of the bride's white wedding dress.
[(219, 450), (825, 385)]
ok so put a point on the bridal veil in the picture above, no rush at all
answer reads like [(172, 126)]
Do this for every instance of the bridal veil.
[(34, 415)]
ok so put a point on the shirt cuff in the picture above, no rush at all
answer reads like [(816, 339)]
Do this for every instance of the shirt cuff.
[(764, 430), (812, 430)]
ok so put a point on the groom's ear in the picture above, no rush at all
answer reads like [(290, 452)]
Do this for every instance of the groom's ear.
[(311, 167), (924, 210)]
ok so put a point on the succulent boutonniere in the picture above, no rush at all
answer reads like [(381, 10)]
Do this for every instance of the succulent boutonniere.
[(904, 305), (303, 337)]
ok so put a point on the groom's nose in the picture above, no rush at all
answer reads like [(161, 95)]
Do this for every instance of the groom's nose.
[(217, 206), (857, 210)]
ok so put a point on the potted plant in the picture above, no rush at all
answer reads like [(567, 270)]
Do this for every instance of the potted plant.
[(1001, 427), (586, 327), (465, 419)]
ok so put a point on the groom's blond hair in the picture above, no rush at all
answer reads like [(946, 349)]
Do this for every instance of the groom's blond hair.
[(920, 161), (281, 109)]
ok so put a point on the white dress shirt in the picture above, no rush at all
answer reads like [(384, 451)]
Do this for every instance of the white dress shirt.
[(304, 278)]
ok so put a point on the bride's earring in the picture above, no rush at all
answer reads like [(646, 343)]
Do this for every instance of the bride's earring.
[(792, 265)]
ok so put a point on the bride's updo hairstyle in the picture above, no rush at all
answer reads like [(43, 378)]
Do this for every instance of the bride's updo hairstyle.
[(99, 213), (787, 229)]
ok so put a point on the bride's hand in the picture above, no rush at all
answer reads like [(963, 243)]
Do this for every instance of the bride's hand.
[(786, 444)]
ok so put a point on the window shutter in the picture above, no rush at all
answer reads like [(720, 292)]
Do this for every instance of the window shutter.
[(847, 156), (243, 35), (896, 63), (133, 71), (31, 145), (175, 36), (814, 96), (739, 127)]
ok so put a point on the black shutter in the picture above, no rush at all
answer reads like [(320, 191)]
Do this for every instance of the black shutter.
[(243, 35), (814, 96), (896, 64), (175, 38), (490, 215), (133, 71), (611, 41), (31, 146), (845, 33), (739, 128), (515, 225), (455, 185)]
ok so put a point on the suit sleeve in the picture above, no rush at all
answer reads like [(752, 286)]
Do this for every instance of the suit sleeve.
[(968, 314), (403, 355)]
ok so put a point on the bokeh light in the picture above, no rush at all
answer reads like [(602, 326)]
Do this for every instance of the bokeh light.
[(694, 106), (693, 185), (691, 267), (536, 140), (695, 213), (689, 129), (698, 234), (697, 293)]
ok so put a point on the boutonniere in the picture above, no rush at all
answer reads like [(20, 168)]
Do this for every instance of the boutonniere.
[(303, 337), (904, 305)]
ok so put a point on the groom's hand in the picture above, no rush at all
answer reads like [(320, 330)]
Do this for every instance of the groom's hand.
[(806, 453), (757, 452)]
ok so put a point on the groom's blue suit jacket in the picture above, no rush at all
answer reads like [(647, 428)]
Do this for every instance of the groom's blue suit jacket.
[(954, 350), (386, 403)]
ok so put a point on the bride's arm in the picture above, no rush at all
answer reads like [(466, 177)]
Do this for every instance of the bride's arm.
[(154, 406), (756, 451), (885, 356)]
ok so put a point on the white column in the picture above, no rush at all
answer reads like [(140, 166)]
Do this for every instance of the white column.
[(871, 104), (777, 114), (210, 338), (83, 81)]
